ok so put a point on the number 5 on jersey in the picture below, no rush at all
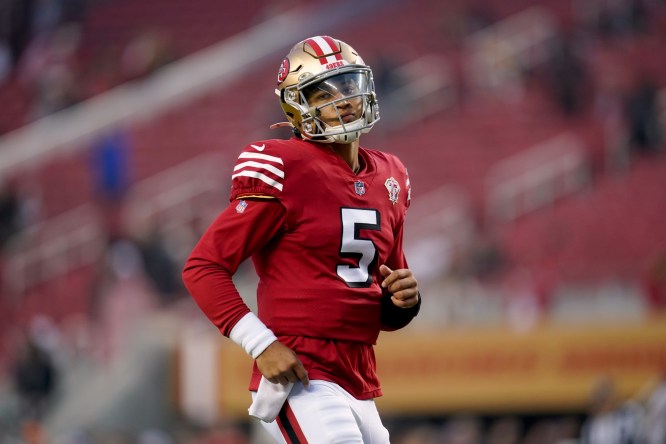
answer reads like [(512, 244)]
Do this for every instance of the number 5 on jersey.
[(353, 246)]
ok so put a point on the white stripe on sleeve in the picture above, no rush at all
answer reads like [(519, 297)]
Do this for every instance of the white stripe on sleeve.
[(278, 172), (247, 155), (260, 176)]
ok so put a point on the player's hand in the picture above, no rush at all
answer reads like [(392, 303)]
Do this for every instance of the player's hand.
[(280, 365), (402, 285)]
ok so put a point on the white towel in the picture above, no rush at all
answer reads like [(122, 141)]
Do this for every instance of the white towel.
[(269, 400)]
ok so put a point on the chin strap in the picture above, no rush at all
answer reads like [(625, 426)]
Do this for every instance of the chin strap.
[(280, 125)]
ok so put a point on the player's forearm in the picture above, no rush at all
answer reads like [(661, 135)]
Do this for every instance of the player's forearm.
[(212, 288), (394, 317)]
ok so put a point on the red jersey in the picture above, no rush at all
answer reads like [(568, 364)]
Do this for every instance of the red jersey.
[(317, 234)]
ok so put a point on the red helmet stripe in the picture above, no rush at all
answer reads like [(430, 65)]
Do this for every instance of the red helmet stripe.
[(333, 46), (316, 48), (322, 46)]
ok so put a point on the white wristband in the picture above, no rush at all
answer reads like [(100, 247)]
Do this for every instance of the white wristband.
[(251, 334)]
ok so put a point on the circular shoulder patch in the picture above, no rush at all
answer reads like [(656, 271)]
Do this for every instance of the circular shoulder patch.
[(283, 71)]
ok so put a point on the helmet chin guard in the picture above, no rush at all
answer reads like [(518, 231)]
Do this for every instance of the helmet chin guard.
[(326, 91)]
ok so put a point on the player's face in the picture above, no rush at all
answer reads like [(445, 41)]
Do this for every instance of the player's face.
[(338, 99)]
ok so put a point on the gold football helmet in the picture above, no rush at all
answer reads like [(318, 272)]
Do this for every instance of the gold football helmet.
[(327, 91)]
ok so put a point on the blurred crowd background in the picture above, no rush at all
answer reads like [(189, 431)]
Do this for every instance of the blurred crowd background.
[(534, 134)]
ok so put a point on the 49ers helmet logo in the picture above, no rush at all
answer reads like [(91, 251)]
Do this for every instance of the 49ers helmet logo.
[(283, 71)]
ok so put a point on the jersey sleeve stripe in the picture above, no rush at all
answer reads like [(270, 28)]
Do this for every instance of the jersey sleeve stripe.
[(262, 177), (278, 172), (246, 155), (253, 196)]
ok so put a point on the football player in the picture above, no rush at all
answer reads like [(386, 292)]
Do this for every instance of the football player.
[(322, 219)]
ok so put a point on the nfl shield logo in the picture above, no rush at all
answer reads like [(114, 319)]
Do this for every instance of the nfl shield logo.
[(359, 187), (242, 205)]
